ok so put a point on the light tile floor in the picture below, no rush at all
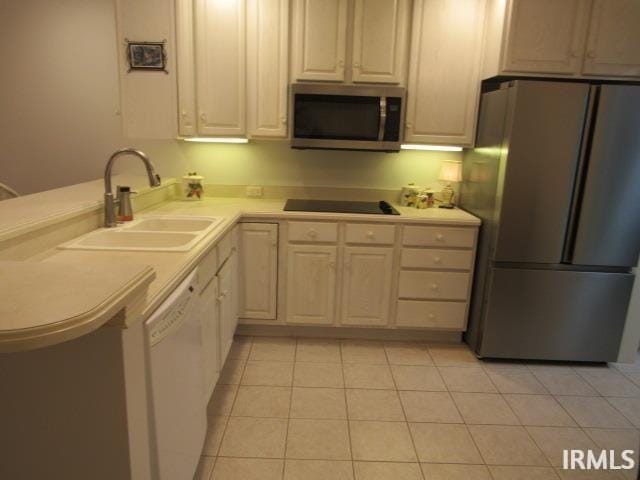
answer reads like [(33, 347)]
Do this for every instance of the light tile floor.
[(312, 409)]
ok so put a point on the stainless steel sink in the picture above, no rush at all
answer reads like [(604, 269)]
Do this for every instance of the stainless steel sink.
[(161, 233)]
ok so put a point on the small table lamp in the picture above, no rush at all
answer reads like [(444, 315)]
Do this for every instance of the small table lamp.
[(450, 171)]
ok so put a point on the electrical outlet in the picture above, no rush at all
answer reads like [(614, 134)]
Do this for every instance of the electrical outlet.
[(255, 192)]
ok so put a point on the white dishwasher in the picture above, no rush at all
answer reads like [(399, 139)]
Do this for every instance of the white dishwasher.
[(177, 380)]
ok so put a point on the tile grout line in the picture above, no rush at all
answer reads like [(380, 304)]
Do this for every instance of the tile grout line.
[(404, 413), (346, 409), (235, 397), (286, 436)]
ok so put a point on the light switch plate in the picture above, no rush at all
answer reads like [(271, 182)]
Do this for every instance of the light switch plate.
[(254, 192)]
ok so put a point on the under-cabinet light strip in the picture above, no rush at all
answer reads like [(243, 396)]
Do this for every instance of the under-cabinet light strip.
[(216, 139), (437, 148)]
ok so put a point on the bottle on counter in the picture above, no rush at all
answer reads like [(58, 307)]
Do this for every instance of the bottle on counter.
[(125, 210)]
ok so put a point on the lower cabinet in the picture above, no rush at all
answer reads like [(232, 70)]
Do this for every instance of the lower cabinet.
[(366, 285), (311, 284), (227, 305), (258, 270), (210, 321)]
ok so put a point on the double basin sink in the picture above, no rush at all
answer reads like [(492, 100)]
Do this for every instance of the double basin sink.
[(158, 233)]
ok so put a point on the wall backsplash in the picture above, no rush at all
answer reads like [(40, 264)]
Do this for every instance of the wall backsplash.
[(275, 163)]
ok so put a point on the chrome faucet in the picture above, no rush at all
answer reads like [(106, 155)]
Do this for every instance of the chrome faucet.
[(154, 181)]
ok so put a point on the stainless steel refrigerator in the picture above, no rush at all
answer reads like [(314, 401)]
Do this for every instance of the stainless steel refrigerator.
[(555, 178)]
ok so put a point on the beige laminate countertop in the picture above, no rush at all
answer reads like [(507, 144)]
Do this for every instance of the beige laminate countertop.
[(44, 303), (87, 279)]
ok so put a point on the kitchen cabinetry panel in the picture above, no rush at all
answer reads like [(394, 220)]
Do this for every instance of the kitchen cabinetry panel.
[(220, 67), (367, 284), (226, 305), (380, 40), (311, 284), (613, 45), (433, 285), (444, 70), (319, 36), (313, 232), (436, 259), (420, 314), (546, 36), (368, 233), (186, 68), (267, 67), (258, 270), (438, 236)]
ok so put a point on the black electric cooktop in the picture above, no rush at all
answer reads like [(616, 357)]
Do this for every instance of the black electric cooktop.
[(339, 206)]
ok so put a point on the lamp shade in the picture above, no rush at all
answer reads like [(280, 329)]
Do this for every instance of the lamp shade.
[(451, 171)]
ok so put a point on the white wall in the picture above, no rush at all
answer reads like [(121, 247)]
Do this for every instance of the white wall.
[(59, 92)]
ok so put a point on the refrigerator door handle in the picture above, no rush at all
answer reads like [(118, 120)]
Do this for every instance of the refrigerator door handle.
[(581, 175)]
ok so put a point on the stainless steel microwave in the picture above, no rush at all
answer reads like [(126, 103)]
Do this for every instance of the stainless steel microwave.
[(350, 117)]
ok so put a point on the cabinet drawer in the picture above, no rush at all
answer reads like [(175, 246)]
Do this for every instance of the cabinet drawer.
[(438, 237), (370, 233), (313, 232), (445, 315), (433, 285), (434, 258)]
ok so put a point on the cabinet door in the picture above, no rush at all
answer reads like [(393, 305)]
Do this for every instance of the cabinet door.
[(311, 284), (444, 76), (380, 40), (545, 36), (226, 309), (267, 67), (208, 314), (185, 64), (319, 36), (220, 67), (367, 285), (613, 45), (258, 270)]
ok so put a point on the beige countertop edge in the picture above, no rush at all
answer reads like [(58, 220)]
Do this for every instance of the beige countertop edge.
[(111, 308)]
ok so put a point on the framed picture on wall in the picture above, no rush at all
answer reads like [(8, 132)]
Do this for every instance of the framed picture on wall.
[(147, 56)]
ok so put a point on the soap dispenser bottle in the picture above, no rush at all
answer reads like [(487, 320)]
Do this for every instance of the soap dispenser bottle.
[(125, 211)]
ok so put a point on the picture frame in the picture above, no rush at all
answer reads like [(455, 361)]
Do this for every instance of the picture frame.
[(150, 56)]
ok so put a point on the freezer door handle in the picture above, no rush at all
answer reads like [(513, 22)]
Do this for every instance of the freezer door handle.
[(574, 213)]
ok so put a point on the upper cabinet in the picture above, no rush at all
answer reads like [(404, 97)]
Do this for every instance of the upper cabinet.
[(220, 67), (267, 67), (232, 67), (350, 40), (380, 36), (319, 36), (442, 93), (545, 36), (613, 44), (568, 38)]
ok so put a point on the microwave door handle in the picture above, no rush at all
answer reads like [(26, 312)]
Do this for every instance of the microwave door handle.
[(383, 118)]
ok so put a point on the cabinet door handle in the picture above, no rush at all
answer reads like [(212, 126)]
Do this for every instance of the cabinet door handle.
[(341, 63), (436, 260), (370, 234), (431, 316), (203, 117), (312, 233), (591, 54), (332, 264), (440, 237), (434, 286)]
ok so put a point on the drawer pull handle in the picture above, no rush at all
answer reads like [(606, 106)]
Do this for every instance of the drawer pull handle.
[(434, 286), (436, 260), (439, 237), (312, 233), (370, 234), (431, 316)]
